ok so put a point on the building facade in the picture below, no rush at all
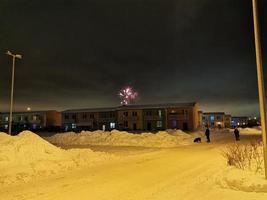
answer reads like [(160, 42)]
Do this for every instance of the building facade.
[(214, 119), (89, 119), (184, 116), (239, 121), (31, 120)]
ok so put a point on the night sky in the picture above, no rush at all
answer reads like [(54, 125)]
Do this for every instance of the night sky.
[(79, 53)]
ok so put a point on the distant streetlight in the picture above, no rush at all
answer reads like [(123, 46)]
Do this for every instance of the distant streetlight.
[(14, 56), (260, 82), (28, 109)]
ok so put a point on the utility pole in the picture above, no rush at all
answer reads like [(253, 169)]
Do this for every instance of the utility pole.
[(14, 56), (260, 82)]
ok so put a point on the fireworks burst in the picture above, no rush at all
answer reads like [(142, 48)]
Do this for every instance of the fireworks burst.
[(127, 94)]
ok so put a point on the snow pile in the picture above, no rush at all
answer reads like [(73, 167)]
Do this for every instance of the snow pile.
[(122, 138), (248, 131), (242, 180), (27, 155)]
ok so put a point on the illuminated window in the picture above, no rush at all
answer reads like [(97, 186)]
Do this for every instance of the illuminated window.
[(34, 126), (73, 126), (112, 125), (6, 119), (6, 126), (159, 113), (212, 118), (34, 118)]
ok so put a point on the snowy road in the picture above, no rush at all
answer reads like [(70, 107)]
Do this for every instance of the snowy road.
[(187, 172)]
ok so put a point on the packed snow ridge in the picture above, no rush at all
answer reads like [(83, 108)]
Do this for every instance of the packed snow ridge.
[(169, 138)]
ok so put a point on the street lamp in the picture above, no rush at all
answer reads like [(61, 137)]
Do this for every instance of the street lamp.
[(14, 56), (260, 82)]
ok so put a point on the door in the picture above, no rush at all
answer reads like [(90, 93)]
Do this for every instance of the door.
[(149, 126), (185, 126), (134, 126)]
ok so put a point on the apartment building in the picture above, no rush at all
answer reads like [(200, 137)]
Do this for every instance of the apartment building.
[(238, 121), (214, 119), (89, 119), (150, 117), (31, 120)]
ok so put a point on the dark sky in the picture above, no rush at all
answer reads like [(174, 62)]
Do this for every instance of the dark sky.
[(79, 53)]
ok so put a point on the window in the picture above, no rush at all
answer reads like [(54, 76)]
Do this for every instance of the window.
[(112, 125), (6, 119), (6, 126), (112, 115), (218, 117), (34, 126), (66, 117), (34, 118), (159, 124), (125, 123), (159, 113), (212, 118), (134, 114), (84, 116), (91, 116), (73, 126), (73, 116), (125, 114), (148, 113)]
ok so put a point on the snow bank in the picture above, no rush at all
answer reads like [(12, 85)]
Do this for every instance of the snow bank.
[(122, 138), (245, 131), (242, 180), (27, 155)]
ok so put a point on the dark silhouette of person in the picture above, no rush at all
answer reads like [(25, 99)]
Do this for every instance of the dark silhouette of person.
[(207, 133), (236, 132)]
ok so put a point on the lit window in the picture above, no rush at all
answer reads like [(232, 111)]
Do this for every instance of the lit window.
[(6, 126), (212, 117), (159, 112), (34, 118), (73, 126), (6, 119), (112, 125)]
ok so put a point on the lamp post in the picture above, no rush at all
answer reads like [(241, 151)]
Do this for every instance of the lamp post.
[(260, 82), (14, 56)]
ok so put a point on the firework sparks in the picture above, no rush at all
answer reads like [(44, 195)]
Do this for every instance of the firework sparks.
[(127, 94)]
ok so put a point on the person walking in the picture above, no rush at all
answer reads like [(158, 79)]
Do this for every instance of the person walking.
[(207, 133), (236, 132)]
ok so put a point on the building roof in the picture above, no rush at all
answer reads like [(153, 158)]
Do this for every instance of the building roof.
[(91, 110), (214, 113), (129, 107), (26, 112)]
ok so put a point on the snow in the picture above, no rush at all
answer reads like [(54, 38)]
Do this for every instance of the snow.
[(171, 138), (255, 130), (33, 169), (27, 155)]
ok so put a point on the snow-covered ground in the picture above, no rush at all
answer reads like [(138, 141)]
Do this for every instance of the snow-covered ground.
[(170, 138), (177, 168)]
